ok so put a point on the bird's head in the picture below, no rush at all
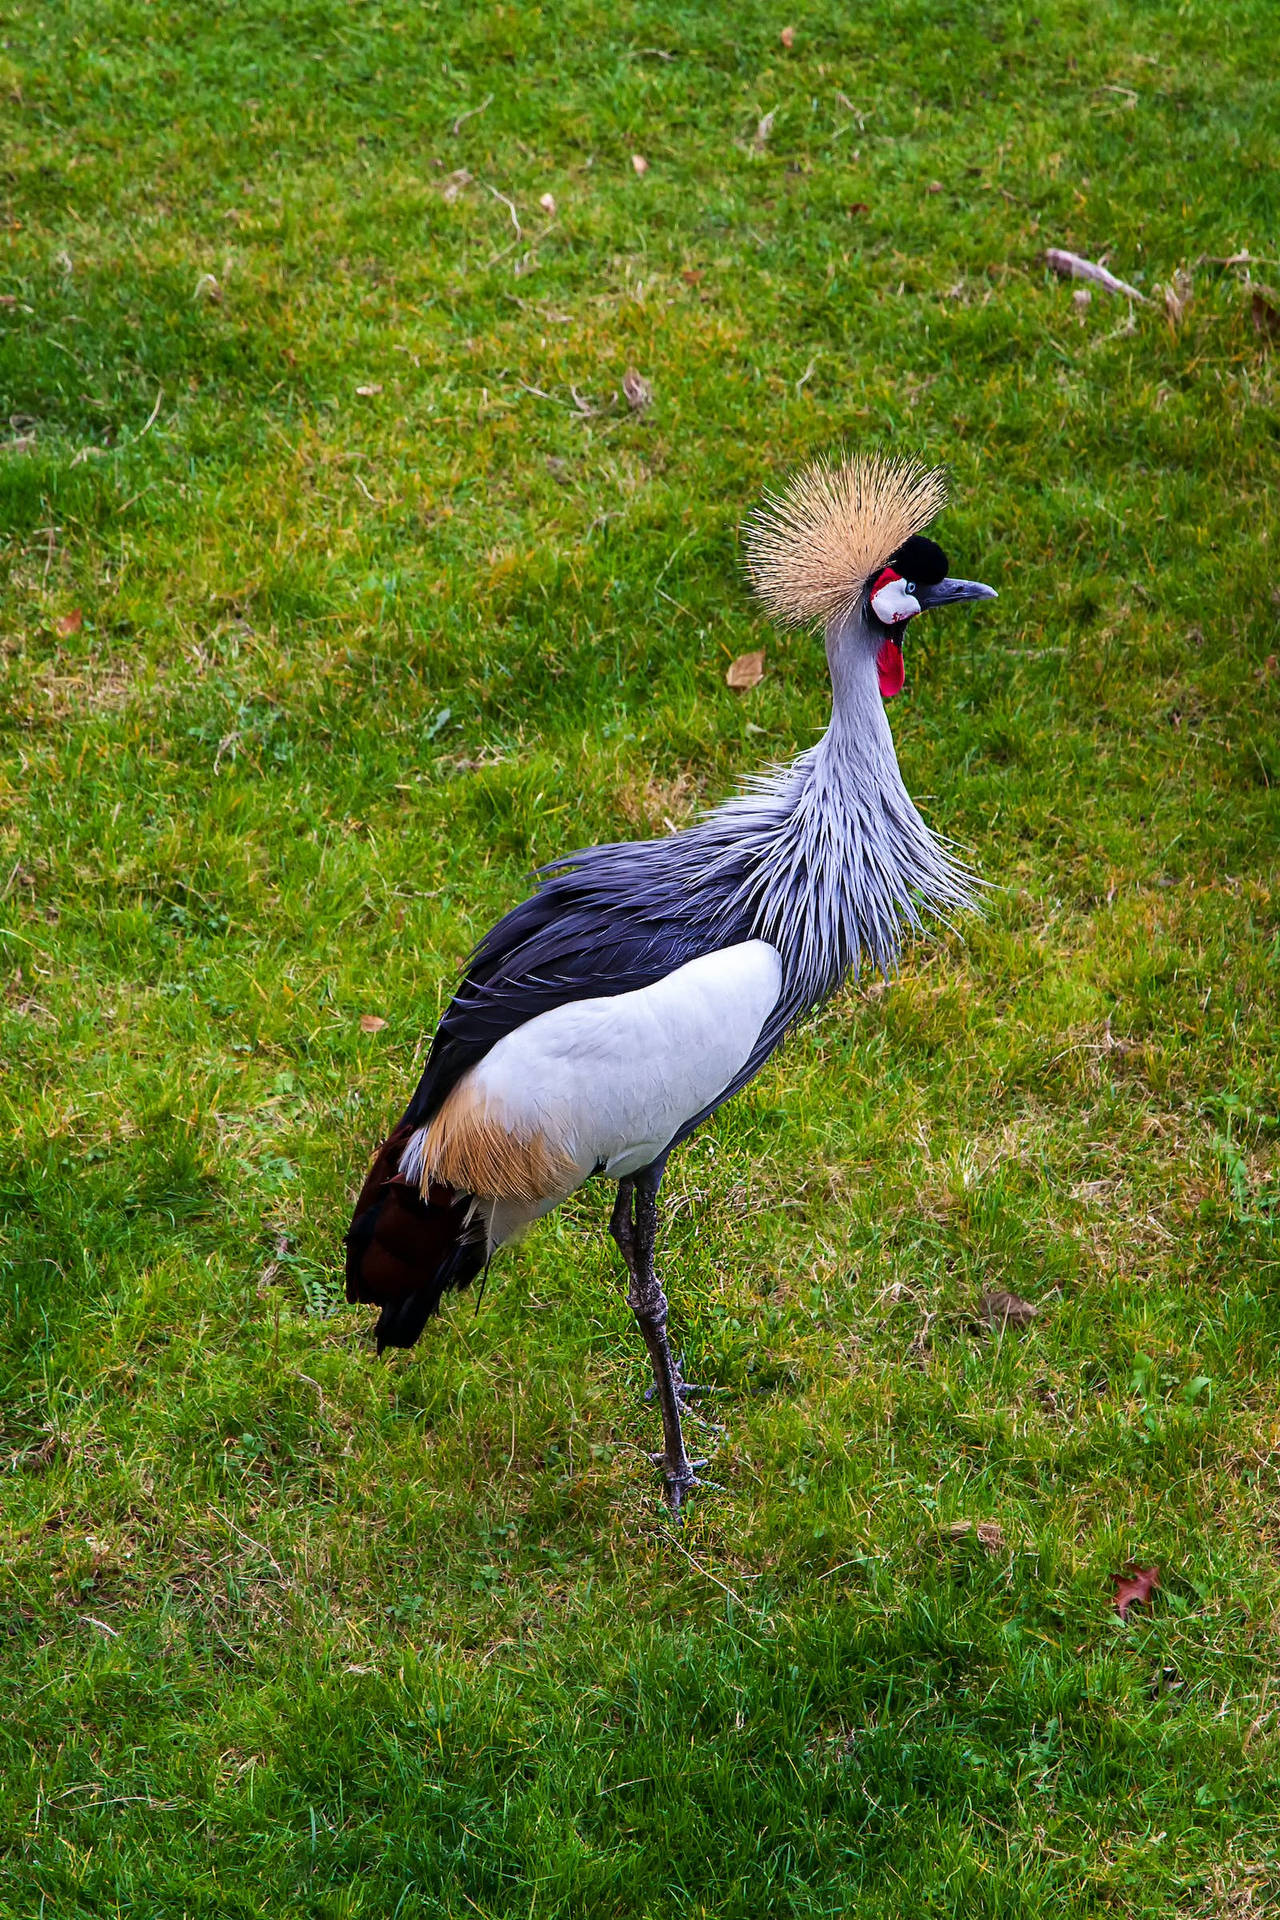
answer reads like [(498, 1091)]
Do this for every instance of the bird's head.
[(912, 580), (844, 543)]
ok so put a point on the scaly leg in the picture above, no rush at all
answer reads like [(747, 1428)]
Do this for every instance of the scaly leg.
[(635, 1232)]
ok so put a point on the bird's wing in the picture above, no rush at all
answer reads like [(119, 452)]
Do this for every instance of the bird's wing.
[(598, 1085), (565, 943), (771, 1036)]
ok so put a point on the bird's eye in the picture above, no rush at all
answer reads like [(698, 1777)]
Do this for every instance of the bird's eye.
[(911, 588)]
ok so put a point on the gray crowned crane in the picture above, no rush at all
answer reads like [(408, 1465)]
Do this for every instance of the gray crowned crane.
[(607, 1016)]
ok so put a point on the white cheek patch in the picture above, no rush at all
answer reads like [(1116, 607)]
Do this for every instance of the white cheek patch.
[(892, 603)]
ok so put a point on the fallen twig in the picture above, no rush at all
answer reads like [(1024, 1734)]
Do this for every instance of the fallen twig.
[(1242, 259), (584, 408), (471, 113), (1072, 266), (154, 415), (508, 204)]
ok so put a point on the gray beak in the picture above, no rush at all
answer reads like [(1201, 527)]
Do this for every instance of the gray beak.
[(948, 590)]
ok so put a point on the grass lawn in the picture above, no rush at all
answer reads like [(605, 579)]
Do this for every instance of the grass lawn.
[(341, 586)]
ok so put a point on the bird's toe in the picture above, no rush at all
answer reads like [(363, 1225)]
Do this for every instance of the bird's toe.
[(683, 1480)]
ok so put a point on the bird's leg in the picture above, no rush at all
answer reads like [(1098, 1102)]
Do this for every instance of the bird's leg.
[(635, 1237), (622, 1225), (623, 1230)]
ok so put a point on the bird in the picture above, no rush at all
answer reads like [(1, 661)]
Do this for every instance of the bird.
[(642, 984)]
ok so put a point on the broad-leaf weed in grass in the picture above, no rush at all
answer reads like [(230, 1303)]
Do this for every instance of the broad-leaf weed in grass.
[(342, 585)]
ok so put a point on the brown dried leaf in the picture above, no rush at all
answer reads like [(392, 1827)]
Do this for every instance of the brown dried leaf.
[(207, 288), (788, 37), (453, 186), (639, 162), (638, 390), (371, 1023), (859, 207), (69, 623), (1001, 1309), (746, 671), (1266, 318), (691, 275), (988, 1533), (367, 392), (1134, 1587), (548, 203), (934, 186)]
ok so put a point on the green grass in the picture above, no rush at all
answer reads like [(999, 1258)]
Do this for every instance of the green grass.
[(291, 1631)]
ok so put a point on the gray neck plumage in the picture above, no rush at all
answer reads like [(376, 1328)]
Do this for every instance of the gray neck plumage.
[(827, 859), (843, 864), (858, 745)]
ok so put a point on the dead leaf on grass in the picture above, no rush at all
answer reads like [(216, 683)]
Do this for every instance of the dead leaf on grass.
[(367, 392), (69, 623), (858, 208), (371, 1023), (988, 1533), (639, 162), (1134, 1587), (1266, 318), (763, 130), (746, 671), (207, 288), (453, 186), (788, 37), (548, 203), (1001, 1309), (638, 390)]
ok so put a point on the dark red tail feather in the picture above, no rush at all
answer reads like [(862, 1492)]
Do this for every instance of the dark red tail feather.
[(403, 1251)]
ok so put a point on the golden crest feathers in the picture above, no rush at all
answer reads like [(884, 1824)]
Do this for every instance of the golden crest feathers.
[(811, 547)]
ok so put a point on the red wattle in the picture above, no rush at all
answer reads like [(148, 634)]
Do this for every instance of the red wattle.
[(890, 669)]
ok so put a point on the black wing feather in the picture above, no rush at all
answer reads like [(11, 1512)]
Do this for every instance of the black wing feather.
[(570, 941)]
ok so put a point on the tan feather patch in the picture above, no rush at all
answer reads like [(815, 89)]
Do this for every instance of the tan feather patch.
[(473, 1152), (811, 548)]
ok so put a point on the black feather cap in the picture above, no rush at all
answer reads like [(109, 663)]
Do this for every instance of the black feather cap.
[(921, 560)]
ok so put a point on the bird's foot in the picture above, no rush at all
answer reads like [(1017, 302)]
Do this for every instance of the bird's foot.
[(681, 1479)]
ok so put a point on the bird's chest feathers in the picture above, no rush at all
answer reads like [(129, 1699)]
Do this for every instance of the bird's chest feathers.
[(832, 879)]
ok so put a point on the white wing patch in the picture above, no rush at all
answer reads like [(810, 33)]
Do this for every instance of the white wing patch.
[(609, 1083)]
